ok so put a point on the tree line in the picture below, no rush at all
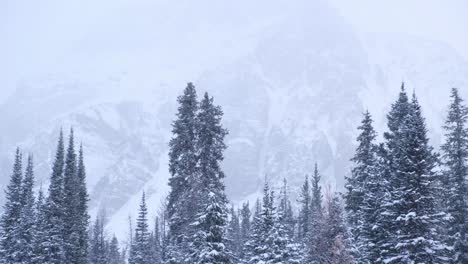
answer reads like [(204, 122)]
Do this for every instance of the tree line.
[(403, 203)]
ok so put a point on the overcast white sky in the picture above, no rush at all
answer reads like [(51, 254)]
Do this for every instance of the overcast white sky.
[(36, 34)]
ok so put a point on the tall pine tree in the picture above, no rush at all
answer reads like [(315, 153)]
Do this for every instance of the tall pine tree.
[(27, 220), (363, 196), (140, 248), (455, 159), (10, 226), (410, 211), (71, 220), (54, 210), (304, 213), (82, 216), (182, 166), (211, 219)]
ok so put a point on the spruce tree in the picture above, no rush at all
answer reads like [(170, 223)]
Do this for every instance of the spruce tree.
[(269, 241), (315, 248), (140, 248), (27, 221), (10, 225), (156, 254), (455, 160), (212, 215), (234, 236), (245, 225), (182, 166), (286, 216), (410, 212), (334, 246), (114, 256), (54, 210), (363, 195), (98, 248), (40, 238), (256, 248), (316, 202), (305, 211), (82, 216), (71, 218)]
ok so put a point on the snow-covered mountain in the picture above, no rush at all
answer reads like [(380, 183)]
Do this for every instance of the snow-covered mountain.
[(293, 81)]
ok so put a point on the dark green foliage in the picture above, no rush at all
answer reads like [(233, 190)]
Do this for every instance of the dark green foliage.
[(305, 211), (141, 246), (182, 166), (10, 230), (27, 220), (455, 159)]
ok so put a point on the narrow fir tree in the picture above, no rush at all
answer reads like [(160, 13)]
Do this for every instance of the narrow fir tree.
[(71, 219), (334, 234), (245, 224), (98, 250), (315, 248), (286, 216), (155, 244), (269, 241), (140, 248), (316, 202), (212, 215), (182, 165), (82, 215), (455, 159), (304, 213), (27, 222), (40, 239), (363, 195), (234, 237), (10, 229), (114, 256), (413, 189), (54, 210), (257, 250)]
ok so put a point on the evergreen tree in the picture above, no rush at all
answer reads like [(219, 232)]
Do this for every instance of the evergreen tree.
[(455, 159), (82, 210), (245, 216), (411, 211), (316, 202), (71, 219), (286, 216), (334, 236), (212, 215), (98, 248), (304, 213), (245, 224), (27, 221), (315, 246), (114, 256), (10, 225), (234, 236), (155, 244), (269, 241), (140, 248), (363, 195), (340, 254), (40, 232), (54, 210), (182, 166), (257, 250)]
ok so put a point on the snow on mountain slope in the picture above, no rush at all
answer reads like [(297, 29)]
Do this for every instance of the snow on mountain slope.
[(427, 67), (293, 81)]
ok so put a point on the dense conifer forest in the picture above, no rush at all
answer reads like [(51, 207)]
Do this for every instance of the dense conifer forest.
[(404, 201)]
